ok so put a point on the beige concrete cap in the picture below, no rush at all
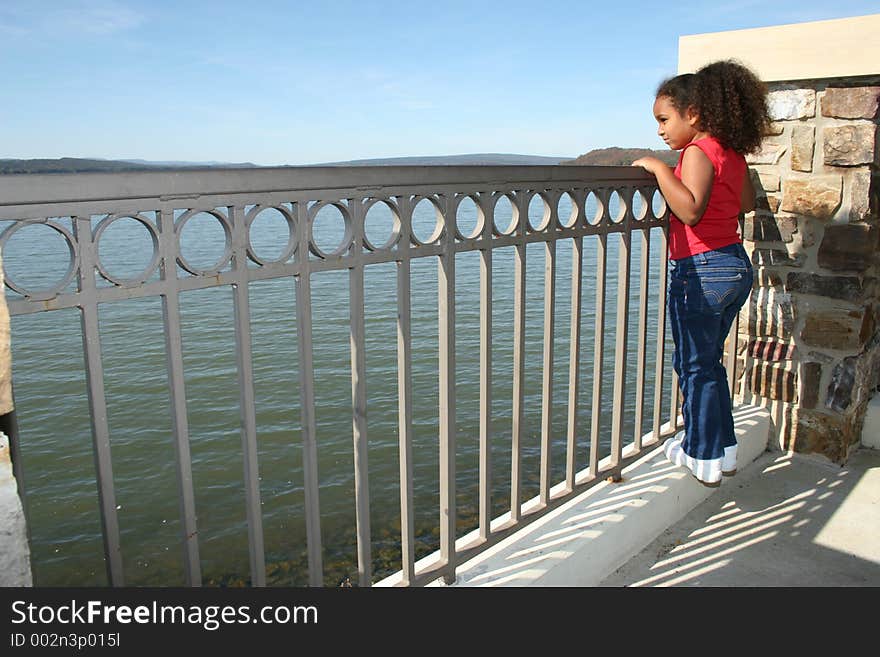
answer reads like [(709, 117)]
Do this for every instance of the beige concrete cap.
[(6, 405), (842, 47)]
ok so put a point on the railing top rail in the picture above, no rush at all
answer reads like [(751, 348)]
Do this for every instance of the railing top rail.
[(18, 190)]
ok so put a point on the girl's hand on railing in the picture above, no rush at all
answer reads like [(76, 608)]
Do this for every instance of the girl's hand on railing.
[(650, 164)]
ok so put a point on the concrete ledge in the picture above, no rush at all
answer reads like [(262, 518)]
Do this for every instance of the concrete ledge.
[(15, 563), (586, 539)]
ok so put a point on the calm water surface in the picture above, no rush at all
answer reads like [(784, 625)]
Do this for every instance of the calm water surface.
[(55, 433)]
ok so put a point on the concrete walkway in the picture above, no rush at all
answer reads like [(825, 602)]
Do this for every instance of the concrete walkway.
[(787, 520), (590, 535)]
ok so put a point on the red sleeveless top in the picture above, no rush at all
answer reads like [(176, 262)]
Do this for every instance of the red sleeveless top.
[(720, 222)]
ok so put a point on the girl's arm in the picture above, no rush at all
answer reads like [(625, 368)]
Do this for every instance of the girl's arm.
[(687, 198)]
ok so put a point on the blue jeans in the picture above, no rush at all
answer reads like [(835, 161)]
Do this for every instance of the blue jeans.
[(706, 291)]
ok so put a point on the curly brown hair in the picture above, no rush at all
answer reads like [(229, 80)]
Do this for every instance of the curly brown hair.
[(679, 90), (731, 102)]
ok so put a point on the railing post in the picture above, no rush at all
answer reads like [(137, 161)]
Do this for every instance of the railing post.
[(168, 246), (620, 355), (598, 351), (660, 362), (547, 374), (577, 260), (404, 393), (641, 358), (446, 332), (519, 342), (307, 400), (357, 339), (97, 400), (245, 370), (486, 365)]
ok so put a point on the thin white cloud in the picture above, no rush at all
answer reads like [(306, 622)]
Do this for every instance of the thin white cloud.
[(733, 7), (399, 90), (761, 14), (103, 17), (84, 17)]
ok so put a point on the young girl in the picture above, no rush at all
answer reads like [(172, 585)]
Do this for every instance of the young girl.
[(714, 116)]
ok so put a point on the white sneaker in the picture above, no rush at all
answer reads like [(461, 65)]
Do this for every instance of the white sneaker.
[(728, 462), (706, 472), (673, 449)]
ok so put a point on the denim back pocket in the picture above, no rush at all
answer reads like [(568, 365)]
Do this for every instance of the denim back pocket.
[(719, 287)]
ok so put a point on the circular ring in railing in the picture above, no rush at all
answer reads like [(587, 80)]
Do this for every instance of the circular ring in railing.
[(463, 210), (546, 211), (393, 234), (594, 207), (639, 204), (568, 210), (658, 205), (73, 263), (103, 225), (416, 222), (289, 248), (344, 243), (507, 211), (227, 250), (617, 207)]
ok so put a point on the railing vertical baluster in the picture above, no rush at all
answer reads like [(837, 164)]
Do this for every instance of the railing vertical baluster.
[(405, 405), (660, 364), (620, 355), (577, 255), (486, 374), (675, 395), (645, 271), (245, 368), (307, 400), (519, 348), (733, 340), (598, 351), (733, 345), (547, 376), (180, 425), (359, 398), (674, 403), (97, 401), (446, 335)]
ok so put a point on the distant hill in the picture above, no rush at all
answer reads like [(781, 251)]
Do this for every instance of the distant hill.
[(86, 165), (177, 164), (485, 159), (601, 156), (615, 156)]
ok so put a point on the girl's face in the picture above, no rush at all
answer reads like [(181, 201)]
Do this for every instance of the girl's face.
[(676, 129)]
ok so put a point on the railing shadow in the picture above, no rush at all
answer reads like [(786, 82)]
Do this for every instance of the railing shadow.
[(579, 523), (791, 521), (550, 540)]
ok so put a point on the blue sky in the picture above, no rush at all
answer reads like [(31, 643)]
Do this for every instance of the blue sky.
[(274, 82)]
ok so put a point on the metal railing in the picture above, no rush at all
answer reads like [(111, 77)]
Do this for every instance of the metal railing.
[(162, 203)]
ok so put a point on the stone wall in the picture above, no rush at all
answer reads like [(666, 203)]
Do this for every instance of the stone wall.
[(809, 340)]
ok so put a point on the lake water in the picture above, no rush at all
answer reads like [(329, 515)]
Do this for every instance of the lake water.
[(53, 414)]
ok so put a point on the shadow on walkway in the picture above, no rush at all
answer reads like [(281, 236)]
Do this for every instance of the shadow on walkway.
[(788, 520)]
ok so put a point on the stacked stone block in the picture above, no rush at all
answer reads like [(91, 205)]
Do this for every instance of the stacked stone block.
[(810, 339)]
